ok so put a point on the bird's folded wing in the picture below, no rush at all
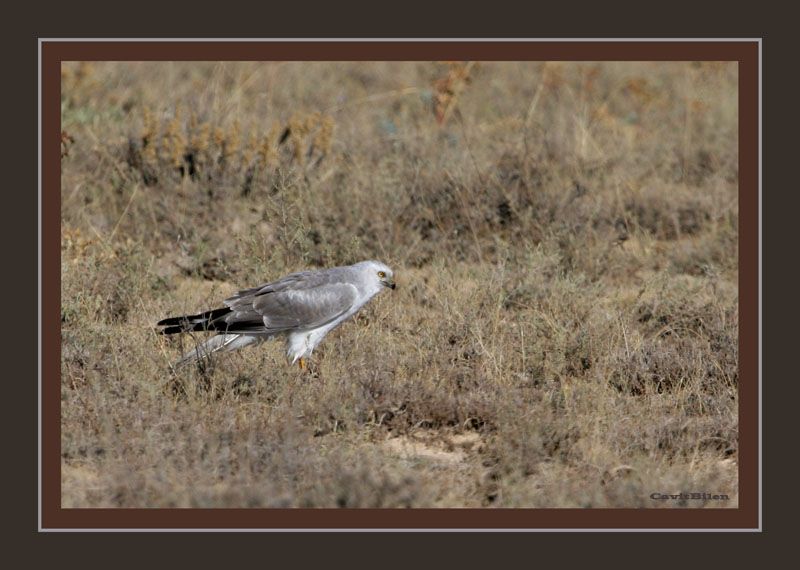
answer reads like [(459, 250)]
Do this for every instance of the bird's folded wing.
[(293, 309), (293, 282)]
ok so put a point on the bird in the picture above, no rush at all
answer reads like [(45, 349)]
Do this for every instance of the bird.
[(303, 306)]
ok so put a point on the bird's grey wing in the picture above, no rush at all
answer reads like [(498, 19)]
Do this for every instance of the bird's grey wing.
[(295, 281), (305, 308), (299, 301)]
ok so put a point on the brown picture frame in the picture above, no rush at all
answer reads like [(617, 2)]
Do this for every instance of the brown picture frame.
[(745, 517)]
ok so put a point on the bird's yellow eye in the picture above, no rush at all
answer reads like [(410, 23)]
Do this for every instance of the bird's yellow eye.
[(381, 274)]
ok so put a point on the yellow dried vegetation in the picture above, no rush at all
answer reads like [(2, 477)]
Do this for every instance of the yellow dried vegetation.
[(448, 89), (175, 145)]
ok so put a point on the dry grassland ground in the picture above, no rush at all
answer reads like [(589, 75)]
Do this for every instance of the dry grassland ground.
[(564, 235)]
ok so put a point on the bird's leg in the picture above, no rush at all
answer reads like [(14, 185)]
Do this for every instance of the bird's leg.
[(301, 363)]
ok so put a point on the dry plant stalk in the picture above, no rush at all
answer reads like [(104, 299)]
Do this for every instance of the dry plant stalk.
[(448, 89)]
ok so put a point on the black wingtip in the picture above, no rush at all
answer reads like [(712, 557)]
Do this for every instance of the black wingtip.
[(189, 323), (173, 321)]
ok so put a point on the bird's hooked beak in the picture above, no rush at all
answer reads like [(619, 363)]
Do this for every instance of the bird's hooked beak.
[(388, 282)]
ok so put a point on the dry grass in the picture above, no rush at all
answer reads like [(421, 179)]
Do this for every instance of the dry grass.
[(564, 333)]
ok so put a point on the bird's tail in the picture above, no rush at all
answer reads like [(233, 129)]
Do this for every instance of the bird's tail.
[(220, 342), (207, 321)]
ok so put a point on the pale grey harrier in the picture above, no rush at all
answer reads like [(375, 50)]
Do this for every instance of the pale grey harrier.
[(304, 306)]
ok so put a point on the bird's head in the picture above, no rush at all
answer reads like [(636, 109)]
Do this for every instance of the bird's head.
[(381, 273)]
